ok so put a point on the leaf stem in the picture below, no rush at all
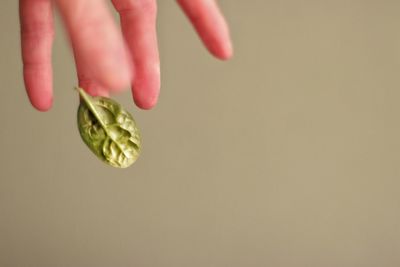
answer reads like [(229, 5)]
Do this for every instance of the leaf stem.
[(91, 106)]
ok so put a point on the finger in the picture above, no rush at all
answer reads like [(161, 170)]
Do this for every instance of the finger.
[(210, 25), (138, 22), (88, 83), (96, 41), (37, 34)]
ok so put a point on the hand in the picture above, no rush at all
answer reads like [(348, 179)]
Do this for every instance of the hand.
[(106, 59)]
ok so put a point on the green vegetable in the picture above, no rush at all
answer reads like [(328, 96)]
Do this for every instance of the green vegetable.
[(108, 130)]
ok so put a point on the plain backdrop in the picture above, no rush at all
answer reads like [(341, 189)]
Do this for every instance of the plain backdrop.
[(287, 155)]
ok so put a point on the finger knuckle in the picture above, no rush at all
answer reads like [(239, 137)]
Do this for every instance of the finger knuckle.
[(148, 6), (37, 29)]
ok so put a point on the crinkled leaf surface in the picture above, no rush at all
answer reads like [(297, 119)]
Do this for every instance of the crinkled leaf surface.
[(108, 130)]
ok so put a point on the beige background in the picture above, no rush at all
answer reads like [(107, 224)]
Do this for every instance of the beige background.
[(288, 155)]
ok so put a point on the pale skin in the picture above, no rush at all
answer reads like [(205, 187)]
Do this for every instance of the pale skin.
[(109, 59)]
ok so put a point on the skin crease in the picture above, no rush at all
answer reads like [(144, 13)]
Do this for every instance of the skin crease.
[(134, 52)]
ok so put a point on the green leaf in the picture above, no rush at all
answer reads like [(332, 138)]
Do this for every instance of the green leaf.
[(108, 130)]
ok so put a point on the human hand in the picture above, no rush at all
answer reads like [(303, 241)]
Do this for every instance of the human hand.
[(106, 59)]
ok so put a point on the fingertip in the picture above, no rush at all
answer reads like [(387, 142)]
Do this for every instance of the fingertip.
[(38, 84), (43, 107), (146, 85), (145, 103), (116, 79), (219, 42), (225, 52), (41, 103), (145, 99), (145, 95)]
